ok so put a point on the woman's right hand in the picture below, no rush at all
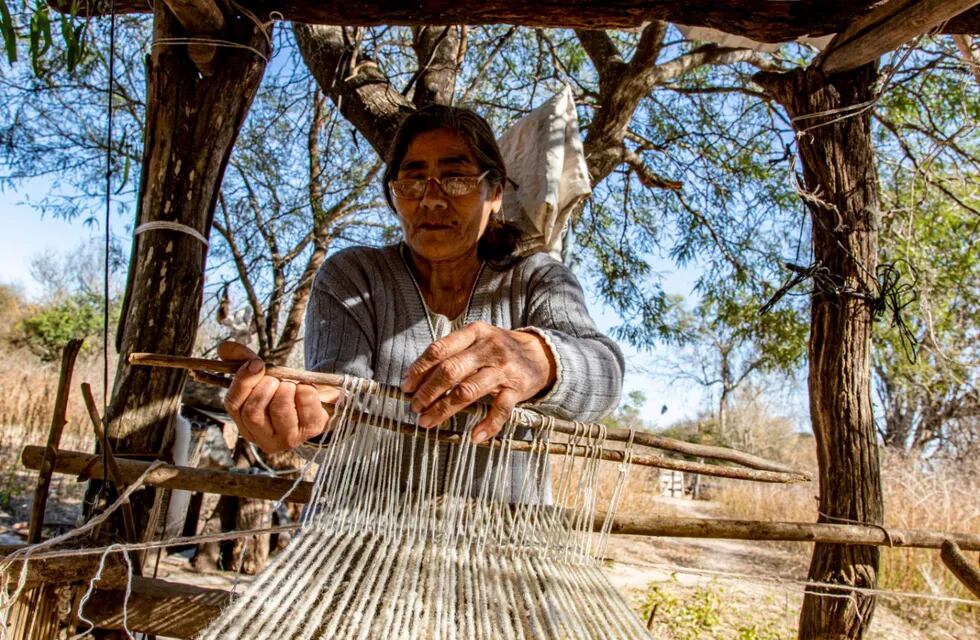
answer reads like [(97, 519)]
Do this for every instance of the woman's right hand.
[(277, 415)]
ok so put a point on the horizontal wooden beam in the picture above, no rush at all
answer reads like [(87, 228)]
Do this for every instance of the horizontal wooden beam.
[(673, 527), (181, 610), (762, 20), (263, 487), (886, 28), (65, 570), (199, 17), (87, 465), (203, 21)]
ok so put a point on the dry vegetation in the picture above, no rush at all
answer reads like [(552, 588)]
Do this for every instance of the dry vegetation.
[(937, 495)]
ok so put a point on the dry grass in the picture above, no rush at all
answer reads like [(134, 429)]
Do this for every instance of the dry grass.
[(940, 496), (27, 391)]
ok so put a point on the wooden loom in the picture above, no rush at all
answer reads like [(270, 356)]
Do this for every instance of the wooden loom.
[(169, 608)]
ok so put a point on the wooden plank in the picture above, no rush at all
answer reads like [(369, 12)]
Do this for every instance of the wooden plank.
[(67, 570), (762, 20), (960, 566), (157, 607), (886, 28)]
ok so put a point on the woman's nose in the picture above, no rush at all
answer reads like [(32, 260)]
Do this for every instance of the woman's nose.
[(433, 196)]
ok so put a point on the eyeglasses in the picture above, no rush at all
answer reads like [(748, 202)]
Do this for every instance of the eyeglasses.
[(454, 187)]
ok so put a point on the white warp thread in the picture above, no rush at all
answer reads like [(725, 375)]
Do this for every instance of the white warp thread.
[(409, 538)]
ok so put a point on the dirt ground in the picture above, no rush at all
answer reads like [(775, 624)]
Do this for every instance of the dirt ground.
[(721, 589)]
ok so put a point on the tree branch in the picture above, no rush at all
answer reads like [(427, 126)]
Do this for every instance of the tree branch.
[(647, 176), (437, 50), (605, 57), (649, 47), (360, 90)]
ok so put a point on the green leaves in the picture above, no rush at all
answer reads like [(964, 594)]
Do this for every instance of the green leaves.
[(7, 31), (34, 25), (49, 328)]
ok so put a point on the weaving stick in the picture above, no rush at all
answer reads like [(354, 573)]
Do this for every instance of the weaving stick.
[(758, 468)]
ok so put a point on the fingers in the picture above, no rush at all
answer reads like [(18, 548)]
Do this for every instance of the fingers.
[(439, 351), (445, 376), (480, 384), (275, 415), (311, 413), (497, 415), (283, 416), (247, 376)]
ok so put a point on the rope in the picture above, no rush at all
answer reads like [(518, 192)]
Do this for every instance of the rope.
[(170, 225)]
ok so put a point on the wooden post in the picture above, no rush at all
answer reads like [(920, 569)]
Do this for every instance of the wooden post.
[(841, 192), (58, 421), (191, 126), (35, 613)]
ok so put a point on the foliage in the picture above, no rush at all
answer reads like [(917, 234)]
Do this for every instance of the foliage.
[(928, 131), (53, 125), (33, 24), (687, 618), (48, 328), (71, 304)]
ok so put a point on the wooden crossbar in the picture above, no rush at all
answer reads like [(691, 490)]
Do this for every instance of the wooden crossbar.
[(246, 486)]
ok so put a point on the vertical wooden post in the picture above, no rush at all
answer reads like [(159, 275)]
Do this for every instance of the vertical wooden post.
[(192, 122), (841, 192), (58, 420)]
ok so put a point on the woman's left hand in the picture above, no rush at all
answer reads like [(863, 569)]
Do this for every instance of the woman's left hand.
[(476, 361)]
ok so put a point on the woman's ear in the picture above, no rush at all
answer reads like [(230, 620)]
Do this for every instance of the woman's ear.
[(497, 198)]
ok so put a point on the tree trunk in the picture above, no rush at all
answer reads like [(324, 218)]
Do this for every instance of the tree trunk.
[(841, 185), (191, 126)]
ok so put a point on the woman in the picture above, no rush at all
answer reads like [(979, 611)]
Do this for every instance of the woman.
[(448, 314)]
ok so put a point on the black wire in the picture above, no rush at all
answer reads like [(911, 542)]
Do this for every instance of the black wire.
[(893, 298), (108, 239)]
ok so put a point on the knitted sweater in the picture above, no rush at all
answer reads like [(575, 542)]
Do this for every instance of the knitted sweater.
[(367, 318)]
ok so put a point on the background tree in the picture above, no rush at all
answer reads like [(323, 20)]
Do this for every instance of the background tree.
[(727, 343), (926, 366)]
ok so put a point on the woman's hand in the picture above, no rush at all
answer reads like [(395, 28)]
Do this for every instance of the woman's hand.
[(477, 361), (277, 415)]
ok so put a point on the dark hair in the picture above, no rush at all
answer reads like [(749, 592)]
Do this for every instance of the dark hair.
[(500, 238)]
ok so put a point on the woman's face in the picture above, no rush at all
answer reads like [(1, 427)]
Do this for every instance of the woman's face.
[(438, 227)]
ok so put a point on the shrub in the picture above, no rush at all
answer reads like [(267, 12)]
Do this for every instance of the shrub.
[(48, 328)]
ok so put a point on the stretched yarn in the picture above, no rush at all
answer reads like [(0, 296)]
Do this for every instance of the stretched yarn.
[(408, 538)]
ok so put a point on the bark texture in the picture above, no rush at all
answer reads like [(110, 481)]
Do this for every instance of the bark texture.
[(763, 20), (355, 83), (840, 186), (191, 125)]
